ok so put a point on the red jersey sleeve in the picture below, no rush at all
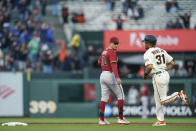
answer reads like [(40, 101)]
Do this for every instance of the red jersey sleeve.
[(113, 61)]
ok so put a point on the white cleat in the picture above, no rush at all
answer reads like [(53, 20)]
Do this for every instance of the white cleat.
[(159, 123), (184, 97), (123, 121), (105, 122)]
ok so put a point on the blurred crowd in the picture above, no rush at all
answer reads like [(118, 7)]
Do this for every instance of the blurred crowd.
[(181, 22), (25, 39), (75, 16)]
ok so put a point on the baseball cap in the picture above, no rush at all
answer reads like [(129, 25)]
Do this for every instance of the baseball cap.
[(150, 38), (114, 40)]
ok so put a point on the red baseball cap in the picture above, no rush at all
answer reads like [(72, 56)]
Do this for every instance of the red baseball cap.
[(114, 40)]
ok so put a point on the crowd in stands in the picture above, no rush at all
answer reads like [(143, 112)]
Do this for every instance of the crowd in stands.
[(25, 39), (77, 16), (172, 6), (133, 9), (185, 24)]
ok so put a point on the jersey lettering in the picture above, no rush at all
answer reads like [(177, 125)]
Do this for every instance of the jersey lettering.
[(160, 59), (103, 62)]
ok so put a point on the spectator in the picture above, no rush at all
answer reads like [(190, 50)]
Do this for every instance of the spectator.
[(28, 66), (133, 13), (65, 13), (124, 71), (132, 96), (112, 4), (62, 54), (22, 7), (173, 8), (186, 19), (36, 16), (75, 42), (177, 24), (33, 46), (9, 63), (144, 93), (78, 16), (108, 5), (168, 5), (23, 53), (170, 24), (182, 72), (54, 8), (190, 67), (91, 54), (43, 7), (49, 36), (47, 61), (119, 23), (176, 4), (140, 11), (140, 72)]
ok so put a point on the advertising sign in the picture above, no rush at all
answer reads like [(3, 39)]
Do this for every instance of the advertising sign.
[(169, 40), (11, 94), (136, 110)]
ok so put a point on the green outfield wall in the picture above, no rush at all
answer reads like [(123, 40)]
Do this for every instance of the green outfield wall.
[(63, 95)]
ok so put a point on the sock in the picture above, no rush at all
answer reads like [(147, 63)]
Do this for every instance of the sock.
[(102, 110), (120, 108)]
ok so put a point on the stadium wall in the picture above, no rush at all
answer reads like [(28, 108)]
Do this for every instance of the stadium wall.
[(54, 95)]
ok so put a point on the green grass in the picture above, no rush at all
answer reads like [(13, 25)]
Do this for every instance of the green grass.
[(94, 127)]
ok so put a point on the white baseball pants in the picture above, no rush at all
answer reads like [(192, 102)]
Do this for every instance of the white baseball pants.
[(160, 85), (108, 82)]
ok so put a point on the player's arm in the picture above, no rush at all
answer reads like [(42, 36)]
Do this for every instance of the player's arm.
[(147, 70), (148, 65), (170, 65), (169, 61), (113, 62), (115, 71)]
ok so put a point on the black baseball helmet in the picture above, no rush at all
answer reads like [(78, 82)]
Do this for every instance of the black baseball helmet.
[(150, 39)]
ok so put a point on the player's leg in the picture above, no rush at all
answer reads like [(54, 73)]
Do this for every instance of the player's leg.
[(161, 82), (159, 108), (118, 91), (104, 98)]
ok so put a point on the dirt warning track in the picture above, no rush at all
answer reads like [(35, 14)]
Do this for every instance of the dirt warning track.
[(131, 124)]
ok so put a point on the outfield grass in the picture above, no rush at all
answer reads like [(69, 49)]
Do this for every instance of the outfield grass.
[(94, 127)]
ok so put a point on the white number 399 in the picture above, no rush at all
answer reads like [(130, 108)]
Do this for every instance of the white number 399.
[(42, 107)]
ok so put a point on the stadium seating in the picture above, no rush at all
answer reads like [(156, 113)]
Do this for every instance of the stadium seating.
[(155, 17)]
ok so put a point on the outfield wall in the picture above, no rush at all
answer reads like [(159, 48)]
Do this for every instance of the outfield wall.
[(68, 95)]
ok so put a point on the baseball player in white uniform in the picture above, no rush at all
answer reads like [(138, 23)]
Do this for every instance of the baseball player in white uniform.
[(157, 63)]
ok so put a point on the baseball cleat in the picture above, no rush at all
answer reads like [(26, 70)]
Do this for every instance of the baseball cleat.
[(184, 97), (159, 123), (123, 121), (103, 122)]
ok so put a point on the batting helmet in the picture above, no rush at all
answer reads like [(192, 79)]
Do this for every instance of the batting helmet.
[(150, 39)]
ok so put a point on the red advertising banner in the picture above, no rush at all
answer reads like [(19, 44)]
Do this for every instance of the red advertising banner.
[(169, 40)]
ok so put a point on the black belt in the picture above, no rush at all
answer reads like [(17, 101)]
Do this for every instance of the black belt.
[(159, 72)]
